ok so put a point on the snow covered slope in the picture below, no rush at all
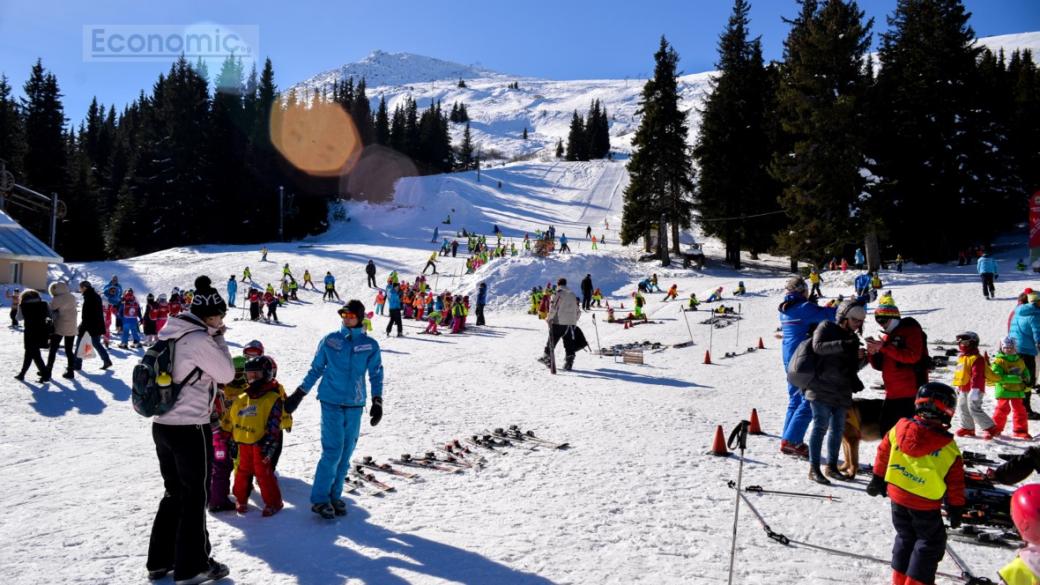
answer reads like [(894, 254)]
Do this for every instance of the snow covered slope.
[(636, 500), (499, 114)]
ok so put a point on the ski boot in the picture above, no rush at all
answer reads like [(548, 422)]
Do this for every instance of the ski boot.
[(1022, 435), (568, 362), (214, 572), (965, 432), (340, 507), (325, 510), (799, 450), (272, 510)]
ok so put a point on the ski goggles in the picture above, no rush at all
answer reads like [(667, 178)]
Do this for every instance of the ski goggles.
[(346, 314)]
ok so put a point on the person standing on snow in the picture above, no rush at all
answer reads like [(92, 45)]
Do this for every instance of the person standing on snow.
[(370, 270), (564, 312), (839, 359), (1025, 330), (341, 361), (897, 355), (63, 313), (431, 262), (92, 323), (34, 333), (393, 302), (586, 293), (859, 258), (482, 300), (987, 269), (232, 290), (798, 315), (330, 287), (113, 294), (184, 441)]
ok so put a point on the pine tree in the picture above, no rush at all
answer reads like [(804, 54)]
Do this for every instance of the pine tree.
[(660, 170), (577, 144), (12, 136), (463, 113), (226, 147), (1024, 125), (382, 123), (559, 148), (461, 83), (465, 158), (45, 158), (821, 105), (732, 149), (923, 107), (398, 133), (361, 112), (525, 133)]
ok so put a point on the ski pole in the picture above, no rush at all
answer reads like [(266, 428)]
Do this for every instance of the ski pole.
[(739, 437), (966, 573), (759, 490), (599, 350), (711, 333), (688, 330), (736, 341)]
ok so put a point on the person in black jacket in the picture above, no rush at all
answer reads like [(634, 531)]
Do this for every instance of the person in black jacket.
[(370, 270), (839, 359), (35, 334), (586, 293), (92, 323)]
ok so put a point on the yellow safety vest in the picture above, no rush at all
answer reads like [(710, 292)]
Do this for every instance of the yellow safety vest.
[(962, 375), (1017, 572), (923, 476), (249, 417)]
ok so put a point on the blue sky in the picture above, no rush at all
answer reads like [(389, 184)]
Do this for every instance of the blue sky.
[(564, 39)]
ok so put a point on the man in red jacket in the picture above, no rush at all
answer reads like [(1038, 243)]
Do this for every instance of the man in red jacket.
[(920, 462), (897, 355)]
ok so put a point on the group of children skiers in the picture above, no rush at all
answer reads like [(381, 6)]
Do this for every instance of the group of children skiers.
[(417, 301)]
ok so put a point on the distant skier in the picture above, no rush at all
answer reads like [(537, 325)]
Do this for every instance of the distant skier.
[(563, 244), (586, 293), (330, 287), (987, 269), (859, 258), (432, 262), (436, 233), (370, 270), (232, 290), (263, 254), (588, 232), (481, 302)]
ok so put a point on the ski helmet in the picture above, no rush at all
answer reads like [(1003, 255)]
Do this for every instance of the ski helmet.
[(1008, 345), (969, 337), (253, 349), (354, 307), (796, 284), (1025, 512), (240, 368), (936, 401), (264, 365)]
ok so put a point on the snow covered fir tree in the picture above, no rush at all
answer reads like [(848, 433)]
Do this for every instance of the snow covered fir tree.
[(675, 301)]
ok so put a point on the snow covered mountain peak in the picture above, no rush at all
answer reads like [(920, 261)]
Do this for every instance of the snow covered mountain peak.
[(380, 68)]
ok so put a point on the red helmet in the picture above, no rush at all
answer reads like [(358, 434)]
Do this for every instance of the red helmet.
[(1025, 511)]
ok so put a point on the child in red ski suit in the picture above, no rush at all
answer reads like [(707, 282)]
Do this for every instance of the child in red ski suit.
[(256, 417)]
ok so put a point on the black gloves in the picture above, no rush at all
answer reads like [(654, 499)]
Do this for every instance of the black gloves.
[(954, 514), (376, 410), (877, 487), (294, 399)]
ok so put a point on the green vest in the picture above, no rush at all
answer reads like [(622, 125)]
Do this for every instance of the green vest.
[(923, 476), (1018, 573)]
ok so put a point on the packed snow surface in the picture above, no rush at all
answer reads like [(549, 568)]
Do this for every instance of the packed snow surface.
[(634, 500)]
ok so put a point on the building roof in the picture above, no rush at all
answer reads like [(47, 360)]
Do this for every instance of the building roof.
[(18, 244)]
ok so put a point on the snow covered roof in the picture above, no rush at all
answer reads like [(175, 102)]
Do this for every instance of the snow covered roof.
[(17, 243)]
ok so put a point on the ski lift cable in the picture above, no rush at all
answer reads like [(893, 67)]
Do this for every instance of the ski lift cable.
[(736, 217)]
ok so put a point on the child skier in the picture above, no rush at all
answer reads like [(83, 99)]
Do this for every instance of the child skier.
[(15, 298), (922, 466), (307, 280), (740, 290), (162, 313), (458, 312), (247, 275), (672, 294), (151, 311), (814, 279), (256, 417), (131, 313), (431, 322), (640, 301), (970, 380), (366, 323), (692, 305), (224, 448), (272, 306), (1025, 513), (254, 304), (597, 298), (380, 301), (716, 295), (1010, 389)]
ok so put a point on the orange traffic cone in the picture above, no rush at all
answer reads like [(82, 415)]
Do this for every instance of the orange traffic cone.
[(760, 344), (755, 428), (707, 360), (718, 446)]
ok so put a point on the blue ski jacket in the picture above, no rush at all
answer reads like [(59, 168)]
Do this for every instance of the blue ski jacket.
[(986, 264), (1025, 328), (329, 279), (797, 316), (232, 289), (482, 295), (342, 359), (393, 297), (113, 293)]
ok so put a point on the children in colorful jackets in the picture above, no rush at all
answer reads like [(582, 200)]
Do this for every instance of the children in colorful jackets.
[(740, 290), (130, 311), (224, 448), (716, 295), (597, 298), (692, 305), (256, 417), (431, 323), (1025, 513), (672, 294), (458, 315), (1010, 391), (969, 378), (380, 301), (366, 323), (922, 466)]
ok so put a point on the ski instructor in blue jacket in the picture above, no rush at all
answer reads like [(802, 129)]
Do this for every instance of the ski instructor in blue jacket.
[(799, 313), (342, 359)]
